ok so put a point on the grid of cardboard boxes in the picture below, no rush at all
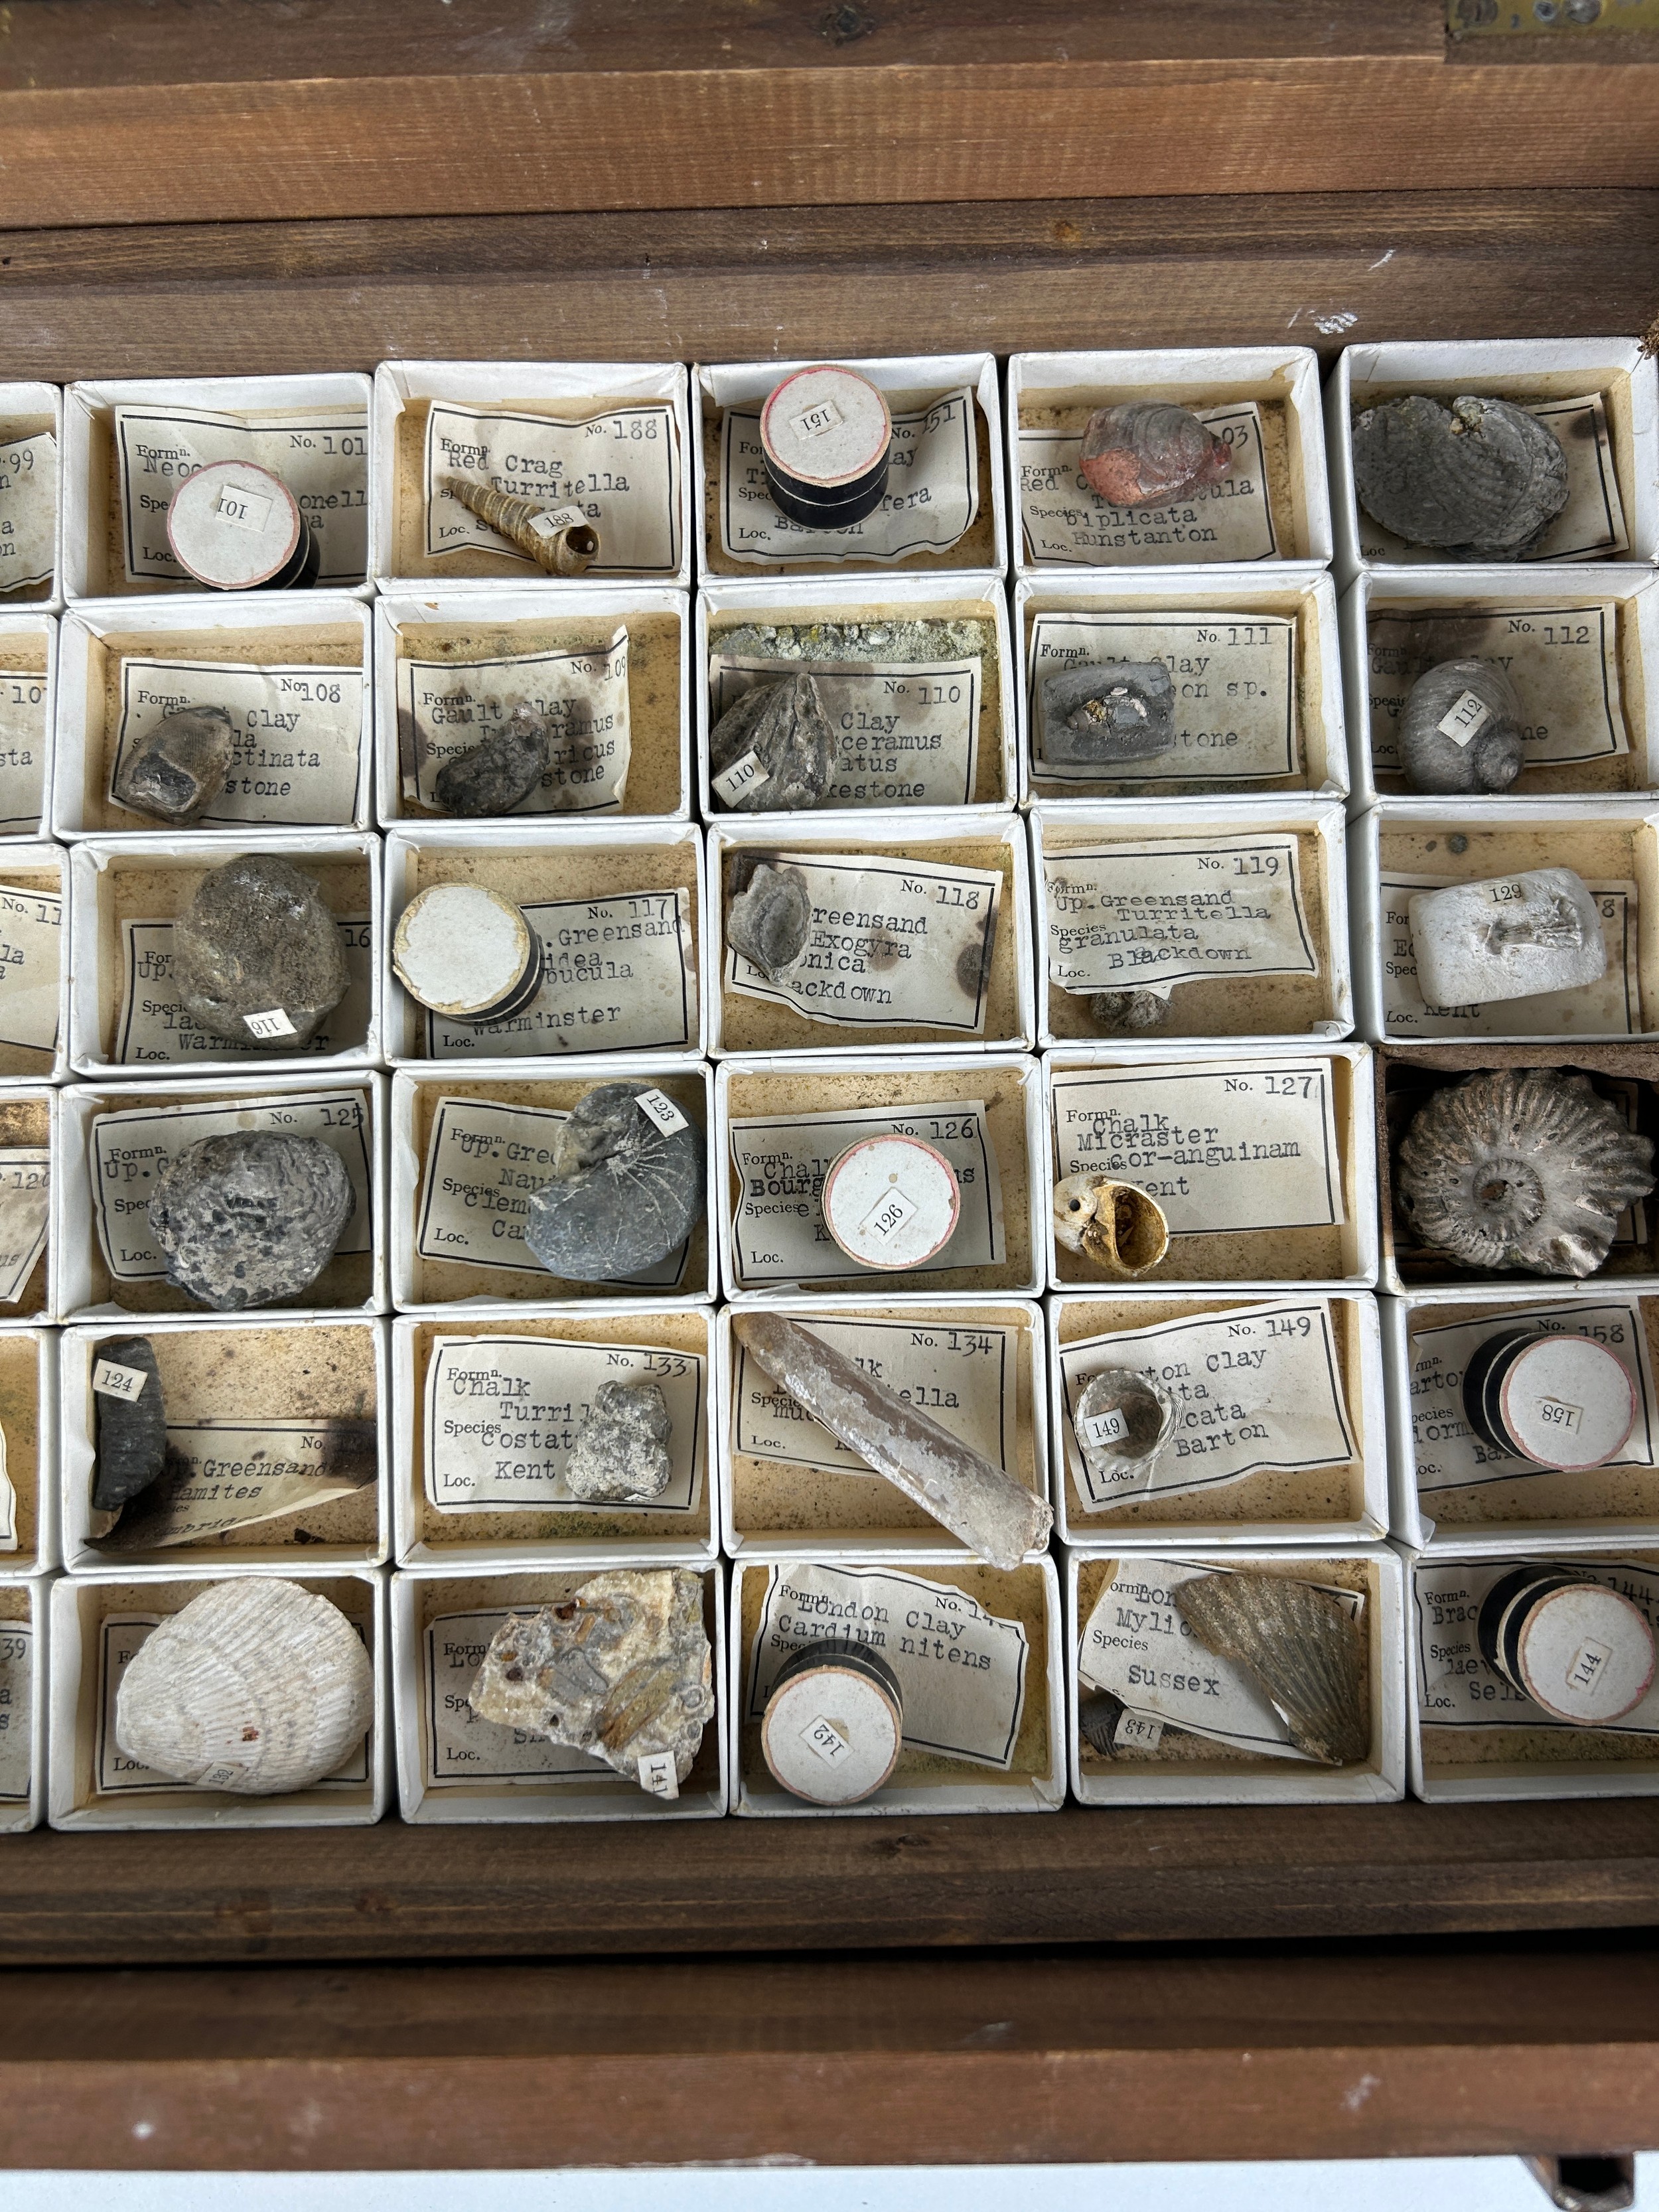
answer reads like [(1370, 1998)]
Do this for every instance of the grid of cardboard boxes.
[(731, 990)]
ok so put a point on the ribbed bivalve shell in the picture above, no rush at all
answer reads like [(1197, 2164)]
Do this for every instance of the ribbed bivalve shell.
[(256, 1680), (1300, 1648), (1520, 1168), (564, 547)]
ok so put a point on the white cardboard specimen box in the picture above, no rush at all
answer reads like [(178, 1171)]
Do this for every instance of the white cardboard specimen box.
[(1252, 654), (129, 443), (909, 732), (609, 663), (28, 683), (98, 1626), (34, 963), (290, 669), (453, 1766), (30, 507), (1263, 401), (1230, 1745), (1277, 1429), (943, 506), (23, 1612), (28, 1449), (979, 1657), (28, 1167), (487, 1406), (1599, 394), (608, 437), (1233, 913)]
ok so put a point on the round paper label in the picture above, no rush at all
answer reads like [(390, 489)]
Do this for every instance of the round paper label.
[(234, 524), (460, 949), (892, 1201), (831, 1736), (823, 427), (1586, 1654), (1568, 1402)]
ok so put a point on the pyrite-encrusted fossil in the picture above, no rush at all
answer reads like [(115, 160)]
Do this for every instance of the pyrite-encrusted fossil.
[(784, 725), (1298, 1644), (250, 1218), (1460, 729), (1124, 711), (1479, 479), (1147, 453), (178, 771), (1524, 1168), (622, 1194)]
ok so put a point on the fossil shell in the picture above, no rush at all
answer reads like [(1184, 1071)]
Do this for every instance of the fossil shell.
[(499, 773), (562, 540), (621, 1669), (622, 1194), (179, 770), (620, 1452), (770, 921), (1432, 759), (1096, 717), (1520, 1168), (256, 937), (786, 728), (256, 1681), (1147, 454), (1118, 1010), (250, 1218), (1098, 1717), (1124, 1418), (1115, 1226), (1479, 479), (1298, 1645)]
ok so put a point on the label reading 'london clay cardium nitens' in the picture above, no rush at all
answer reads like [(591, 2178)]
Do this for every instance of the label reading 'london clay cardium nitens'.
[(780, 1162), (620, 467), (458, 1747), (962, 1375), (1248, 1147), (445, 708), (223, 1475), (891, 944), (296, 736), (907, 734), (153, 1026), (1458, 1689), (17, 1709), (1235, 692), (483, 1163), (1588, 527), (122, 1637), (1136, 1644), (617, 976), (1257, 1388), (22, 750), (961, 1671), (931, 496), (322, 457), (1067, 520), (131, 1149), (1121, 917), (1563, 662), (31, 967), (1448, 1454), (503, 1413), (29, 510), (1610, 1007), (25, 1202)]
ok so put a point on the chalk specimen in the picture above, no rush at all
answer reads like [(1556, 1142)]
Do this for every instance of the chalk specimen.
[(1512, 937)]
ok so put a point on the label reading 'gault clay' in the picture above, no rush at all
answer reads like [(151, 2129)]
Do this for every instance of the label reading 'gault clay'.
[(1562, 660), (445, 708), (17, 1709), (296, 735), (780, 1162), (962, 1375), (907, 733), (620, 467), (29, 510), (1610, 1007), (1121, 917), (31, 967), (321, 456), (153, 1027), (503, 1412), (1068, 521), (932, 497), (1259, 1388), (1458, 1689), (1252, 1146), (961, 1670), (458, 1748), (22, 750)]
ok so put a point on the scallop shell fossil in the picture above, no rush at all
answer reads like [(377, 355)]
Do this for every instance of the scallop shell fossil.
[(560, 539), (1115, 1225), (1520, 1168), (1300, 1647), (1479, 479), (256, 1686)]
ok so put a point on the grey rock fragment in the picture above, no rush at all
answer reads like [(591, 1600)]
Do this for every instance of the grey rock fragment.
[(256, 939), (131, 1446), (770, 921), (785, 726), (1479, 479), (621, 1451), (1116, 1012), (1482, 749), (1097, 717), (178, 771), (500, 772), (250, 1219), (622, 1194)]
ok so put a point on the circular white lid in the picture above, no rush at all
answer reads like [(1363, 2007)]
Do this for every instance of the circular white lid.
[(831, 1734), (460, 949), (1567, 1402), (890, 1201), (826, 427), (234, 524), (1586, 1654)]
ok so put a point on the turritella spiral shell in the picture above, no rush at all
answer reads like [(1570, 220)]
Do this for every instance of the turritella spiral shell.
[(560, 539), (1524, 1168), (256, 1686)]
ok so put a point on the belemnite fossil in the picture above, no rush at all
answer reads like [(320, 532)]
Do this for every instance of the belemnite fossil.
[(1147, 453), (622, 1194), (1479, 479), (1460, 729)]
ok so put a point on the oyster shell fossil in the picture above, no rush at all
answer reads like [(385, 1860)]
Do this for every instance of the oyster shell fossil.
[(770, 921), (250, 1218), (1300, 1647), (560, 539), (1146, 453), (1113, 1225), (784, 725), (1460, 729), (1523, 1167), (622, 1194), (257, 1685), (1479, 479)]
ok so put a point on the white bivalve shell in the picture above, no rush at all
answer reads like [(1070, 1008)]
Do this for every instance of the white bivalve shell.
[(255, 1687)]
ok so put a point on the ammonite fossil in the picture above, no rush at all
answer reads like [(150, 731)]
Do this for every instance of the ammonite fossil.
[(1479, 479), (1524, 1168)]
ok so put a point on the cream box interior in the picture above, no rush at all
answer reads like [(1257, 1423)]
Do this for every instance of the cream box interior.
[(35, 961), (23, 1683), (28, 684), (28, 1426), (28, 412)]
